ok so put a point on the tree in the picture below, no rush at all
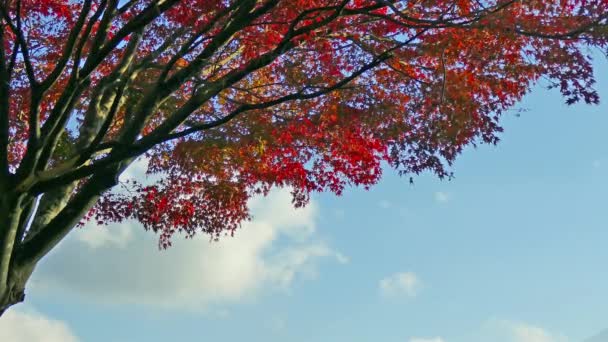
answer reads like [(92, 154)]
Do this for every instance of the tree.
[(229, 98)]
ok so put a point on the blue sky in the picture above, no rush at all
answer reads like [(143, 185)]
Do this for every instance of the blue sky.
[(511, 250)]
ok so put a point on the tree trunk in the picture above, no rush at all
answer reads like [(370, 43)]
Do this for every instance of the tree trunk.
[(14, 291), (13, 272)]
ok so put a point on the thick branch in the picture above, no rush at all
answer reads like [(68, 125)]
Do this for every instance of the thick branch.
[(4, 114), (10, 210), (63, 222), (161, 91), (29, 69)]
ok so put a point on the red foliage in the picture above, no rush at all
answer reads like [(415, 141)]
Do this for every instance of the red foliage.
[(449, 69)]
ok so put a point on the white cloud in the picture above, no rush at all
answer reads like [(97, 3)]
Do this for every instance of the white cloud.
[(501, 330), (20, 326), (137, 171), (521, 332), (435, 339), (121, 263), (405, 283), (442, 197), (96, 236), (341, 258)]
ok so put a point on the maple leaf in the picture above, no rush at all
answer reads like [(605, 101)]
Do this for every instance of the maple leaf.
[(228, 99)]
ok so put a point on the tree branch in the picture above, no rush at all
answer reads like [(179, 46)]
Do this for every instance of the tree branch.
[(124, 149), (4, 114), (33, 249), (69, 48), (29, 69)]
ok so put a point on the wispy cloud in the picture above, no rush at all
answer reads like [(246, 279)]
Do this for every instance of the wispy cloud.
[(522, 332), (434, 339), (442, 197), (121, 263), (400, 284), (501, 330), (28, 326)]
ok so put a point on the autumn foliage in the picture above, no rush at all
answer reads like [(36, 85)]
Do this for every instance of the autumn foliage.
[(230, 98)]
